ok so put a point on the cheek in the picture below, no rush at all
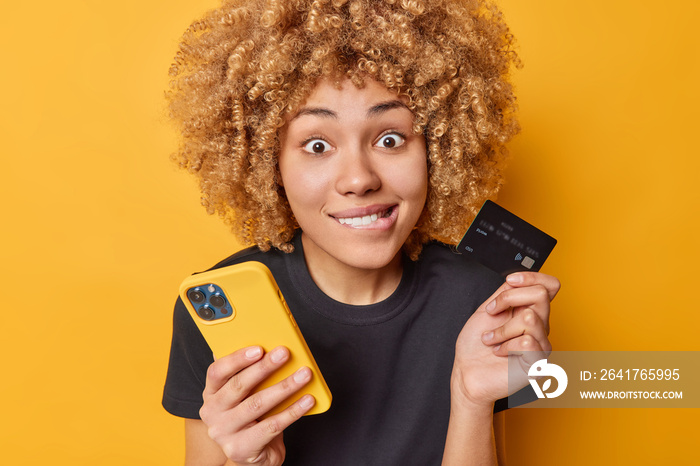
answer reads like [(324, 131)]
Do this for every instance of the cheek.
[(412, 181), (303, 185)]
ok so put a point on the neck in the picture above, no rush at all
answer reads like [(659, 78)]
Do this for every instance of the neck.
[(353, 285)]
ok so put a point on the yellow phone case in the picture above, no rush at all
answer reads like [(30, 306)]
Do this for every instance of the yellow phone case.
[(257, 315)]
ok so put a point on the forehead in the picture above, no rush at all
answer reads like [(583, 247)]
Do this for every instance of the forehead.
[(326, 88), (329, 99)]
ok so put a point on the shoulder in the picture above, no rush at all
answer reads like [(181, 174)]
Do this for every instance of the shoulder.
[(273, 258), (444, 260), (443, 272), (435, 250), (244, 255)]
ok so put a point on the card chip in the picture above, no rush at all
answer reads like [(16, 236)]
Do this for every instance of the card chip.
[(528, 262)]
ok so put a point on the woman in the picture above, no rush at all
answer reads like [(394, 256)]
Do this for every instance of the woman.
[(348, 140)]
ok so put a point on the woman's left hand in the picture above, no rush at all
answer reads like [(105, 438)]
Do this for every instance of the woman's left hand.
[(514, 319)]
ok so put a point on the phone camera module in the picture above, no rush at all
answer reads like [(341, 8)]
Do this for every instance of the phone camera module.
[(196, 296), (217, 300), (206, 313)]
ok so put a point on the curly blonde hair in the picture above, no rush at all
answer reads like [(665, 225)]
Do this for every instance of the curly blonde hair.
[(244, 66)]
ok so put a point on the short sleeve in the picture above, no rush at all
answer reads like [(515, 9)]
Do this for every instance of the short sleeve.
[(190, 357)]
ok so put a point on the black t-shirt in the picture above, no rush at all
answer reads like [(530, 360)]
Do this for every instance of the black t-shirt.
[(388, 364)]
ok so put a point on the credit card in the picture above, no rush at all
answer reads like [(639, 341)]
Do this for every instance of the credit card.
[(504, 242)]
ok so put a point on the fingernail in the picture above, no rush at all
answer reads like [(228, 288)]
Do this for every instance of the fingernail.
[(488, 336), (514, 278), (496, 348), (491, 306), (307, 401), (278, 355), (253, 353), (302, 375)]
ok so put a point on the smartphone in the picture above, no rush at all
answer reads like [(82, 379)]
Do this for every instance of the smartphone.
[(241, 305)]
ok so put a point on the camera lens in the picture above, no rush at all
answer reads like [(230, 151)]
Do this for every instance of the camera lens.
[(217, 300), (206, 313), (196, 296)]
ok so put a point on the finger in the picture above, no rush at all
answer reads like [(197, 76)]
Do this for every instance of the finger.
[(239, 385), (267, 429), (521, 279), (524, 321), (519, 365), (221, 370), (525, 345), (534, 296), (487, 302), (260, 403)]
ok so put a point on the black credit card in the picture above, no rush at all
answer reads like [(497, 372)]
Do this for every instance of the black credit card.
[(504, 242)]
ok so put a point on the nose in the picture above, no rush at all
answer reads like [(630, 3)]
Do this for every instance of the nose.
[(357, 174)]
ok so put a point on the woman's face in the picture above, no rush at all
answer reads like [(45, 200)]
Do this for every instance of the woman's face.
[(354, 173)]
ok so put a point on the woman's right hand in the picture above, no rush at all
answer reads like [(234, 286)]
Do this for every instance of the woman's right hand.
[(233, 414)]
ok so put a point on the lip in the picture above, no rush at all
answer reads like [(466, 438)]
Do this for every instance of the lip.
[(362, 211), (382, 223)]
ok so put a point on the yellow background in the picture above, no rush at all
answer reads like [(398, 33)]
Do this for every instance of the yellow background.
[(98, 227)]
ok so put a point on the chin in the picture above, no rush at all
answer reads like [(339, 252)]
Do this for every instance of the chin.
[(368, 250), (374, 257)]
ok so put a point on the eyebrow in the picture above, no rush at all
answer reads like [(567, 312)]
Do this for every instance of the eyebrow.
[(374, 111), (384, 107)]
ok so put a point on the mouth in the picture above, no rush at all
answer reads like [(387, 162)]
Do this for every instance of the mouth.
[(358, 219)]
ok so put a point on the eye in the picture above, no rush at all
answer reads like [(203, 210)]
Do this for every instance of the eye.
[(391, 140), (317, 146)]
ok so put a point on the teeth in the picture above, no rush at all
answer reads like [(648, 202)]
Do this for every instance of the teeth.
[(358, 221)]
